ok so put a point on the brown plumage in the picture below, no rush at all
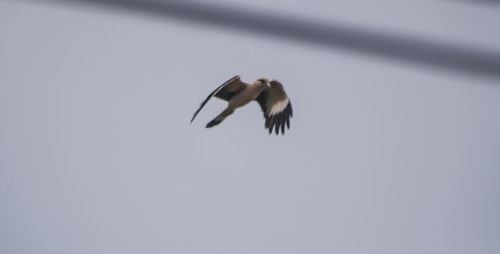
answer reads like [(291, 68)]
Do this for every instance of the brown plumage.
[(270, 95)]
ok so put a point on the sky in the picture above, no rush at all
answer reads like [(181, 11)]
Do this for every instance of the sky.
[(383, 156)]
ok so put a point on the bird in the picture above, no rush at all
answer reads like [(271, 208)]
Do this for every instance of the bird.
[(269, 94)]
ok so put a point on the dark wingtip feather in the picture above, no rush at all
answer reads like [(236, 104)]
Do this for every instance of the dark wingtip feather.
[(268, 120), (288, 122), (283, 124), (272, 122), (211, 124), (279, 122)]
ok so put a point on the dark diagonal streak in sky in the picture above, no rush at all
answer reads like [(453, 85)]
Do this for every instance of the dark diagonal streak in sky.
[(406, 49)]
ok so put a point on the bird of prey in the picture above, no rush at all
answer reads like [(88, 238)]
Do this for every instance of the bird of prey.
[(270, 95)]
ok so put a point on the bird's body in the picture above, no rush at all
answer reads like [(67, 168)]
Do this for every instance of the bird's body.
[(247, 95), (269, 94)]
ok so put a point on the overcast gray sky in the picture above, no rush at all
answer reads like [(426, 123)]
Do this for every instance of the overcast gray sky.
[(97, 154)]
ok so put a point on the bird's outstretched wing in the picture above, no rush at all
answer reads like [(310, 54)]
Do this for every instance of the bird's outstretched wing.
[(225, 91), (276, 107)]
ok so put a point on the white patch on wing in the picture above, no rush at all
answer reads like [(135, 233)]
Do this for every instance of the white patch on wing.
[(278, 107)]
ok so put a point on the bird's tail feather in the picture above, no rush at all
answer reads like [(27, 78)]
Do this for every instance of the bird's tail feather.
[(217, 120)]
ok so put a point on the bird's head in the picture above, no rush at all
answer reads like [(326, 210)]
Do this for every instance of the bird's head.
[(264, 81)]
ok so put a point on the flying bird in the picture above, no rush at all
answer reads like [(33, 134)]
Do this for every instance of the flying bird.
[(270, 95)]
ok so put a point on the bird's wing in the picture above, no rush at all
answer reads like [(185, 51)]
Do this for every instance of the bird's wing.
[(225, 91), (276, 107)]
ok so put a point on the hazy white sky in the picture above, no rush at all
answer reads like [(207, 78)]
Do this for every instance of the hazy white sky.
[(97, 154)]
